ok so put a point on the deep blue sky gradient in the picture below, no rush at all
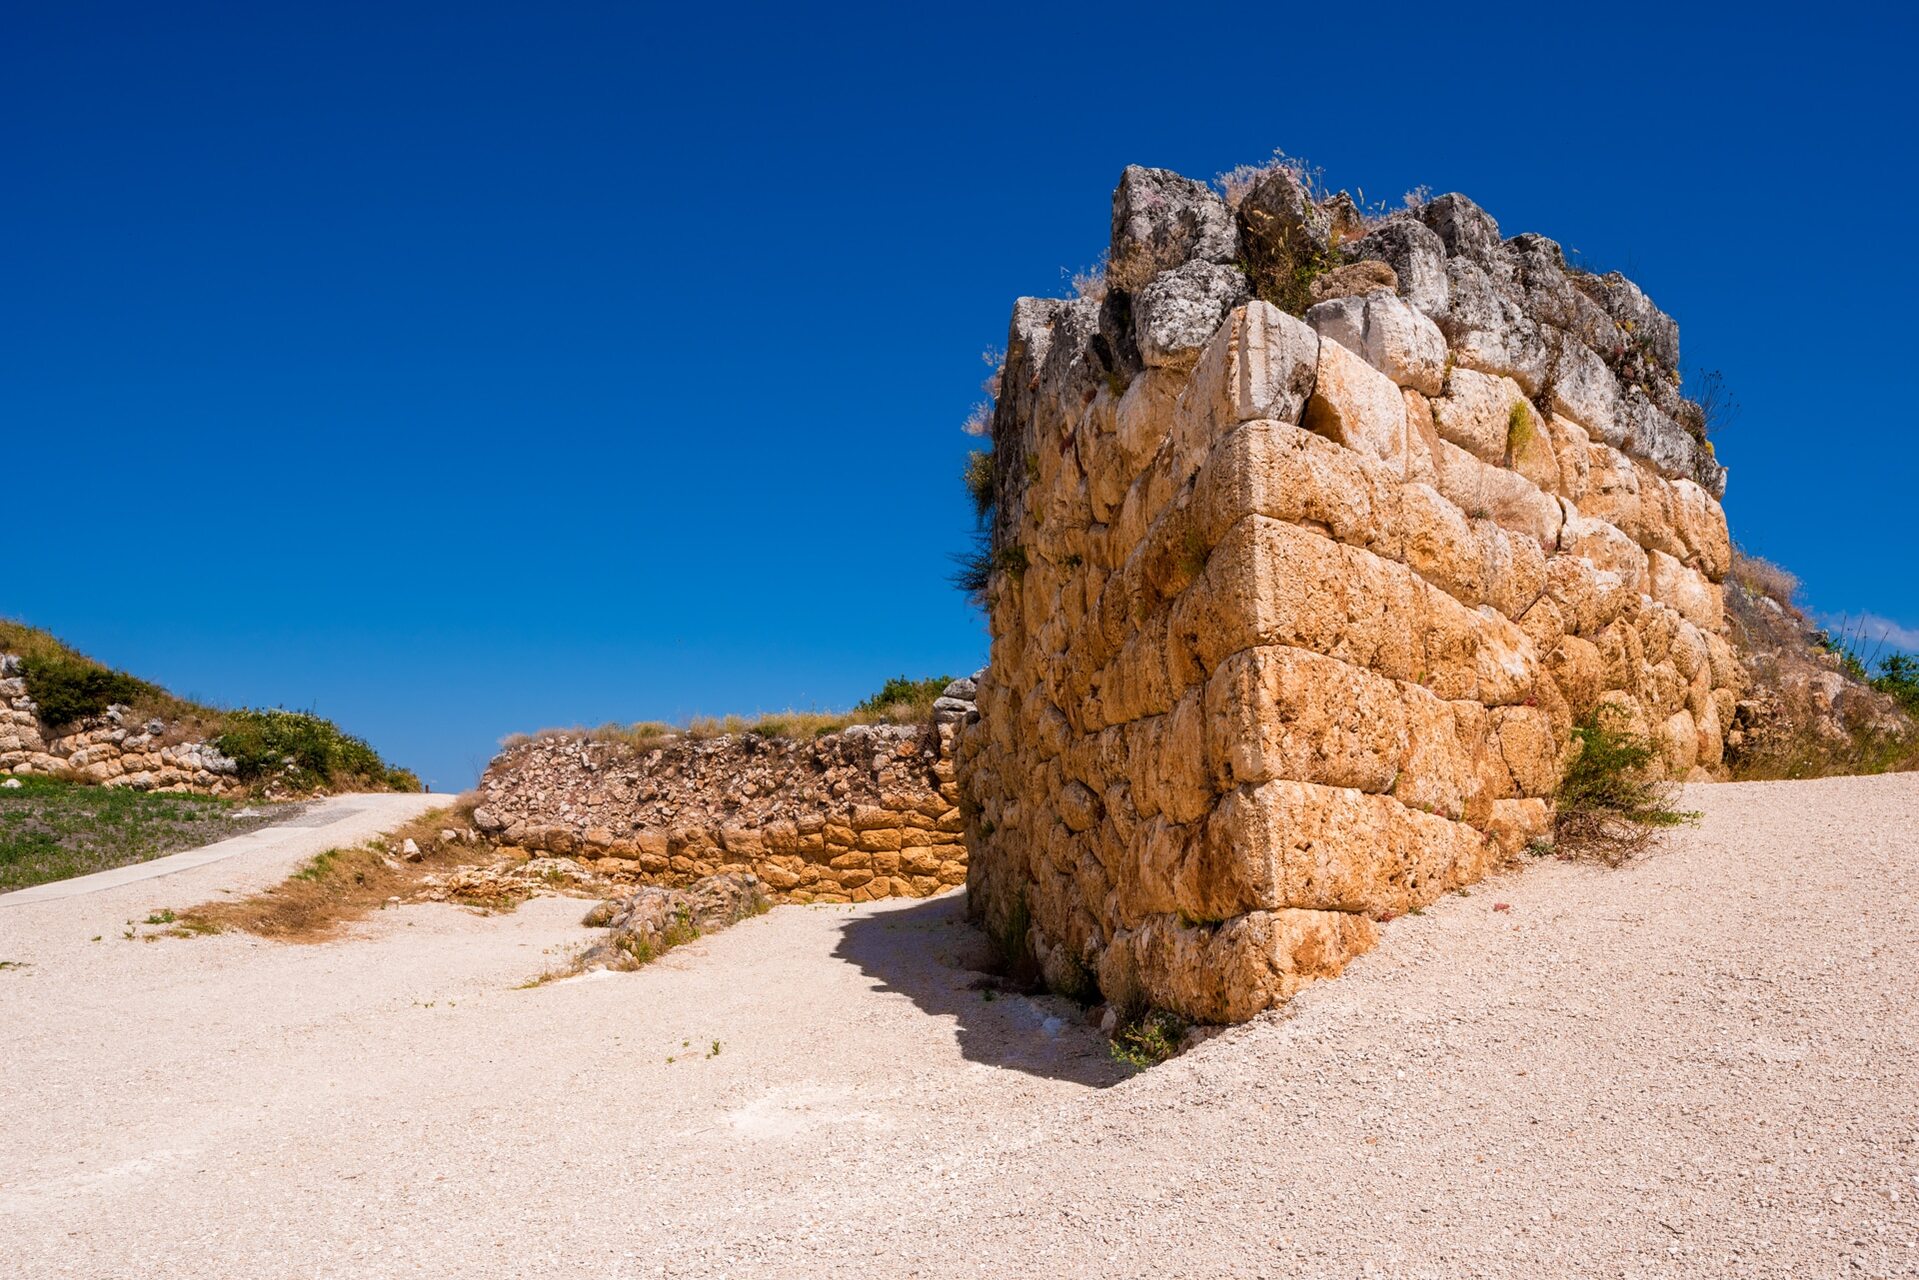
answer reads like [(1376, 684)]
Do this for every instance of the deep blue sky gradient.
[(458, 369)]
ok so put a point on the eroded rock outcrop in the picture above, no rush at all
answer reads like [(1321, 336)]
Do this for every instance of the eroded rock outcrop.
[(1292, 620)]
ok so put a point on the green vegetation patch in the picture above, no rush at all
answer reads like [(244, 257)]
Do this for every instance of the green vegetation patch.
[(53, 830), (306, 750), (1608, 806)]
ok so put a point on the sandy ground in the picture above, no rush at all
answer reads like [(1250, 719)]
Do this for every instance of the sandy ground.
[(1705, 1064)]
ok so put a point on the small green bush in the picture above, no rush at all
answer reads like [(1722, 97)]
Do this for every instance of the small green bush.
[(70, 689), (1519, 427), (1899, 677), (1149, 1039), (1607, 805), (903, 698), (314, 750)]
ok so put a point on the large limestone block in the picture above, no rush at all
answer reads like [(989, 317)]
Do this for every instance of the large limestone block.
[(1529, 748), (1417, 256), (1286, 843), (1274, 712), (1687, 590), (1273, 583), (1605, 546), (1260, 364), (1498, 494), (1388, 334), (1612, 491), (1441, 545), (1176, 315), (1583, 388), (1644, 431), (1490, 331), (1231, 972), (1358, 406), (1505, 663), (1436, 775), (1288, 473), (1476, 413), (1701, 525), (1515, 569), (1162, 220)]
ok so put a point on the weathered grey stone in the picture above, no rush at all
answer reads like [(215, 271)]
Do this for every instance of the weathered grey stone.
[(1490, 330), (1583, 388), (1418, 259), (1162, 220), (1389, 335), (1646, 326), (1178, 312), (1644, 432), (1467, 230), (1260, 364)]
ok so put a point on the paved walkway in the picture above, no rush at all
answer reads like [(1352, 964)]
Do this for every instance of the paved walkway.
[(330, 823)]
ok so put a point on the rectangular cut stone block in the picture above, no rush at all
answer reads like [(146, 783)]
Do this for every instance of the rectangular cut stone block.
[(1357, 406), (1274, 712), (1297, 844), (1285, 472)]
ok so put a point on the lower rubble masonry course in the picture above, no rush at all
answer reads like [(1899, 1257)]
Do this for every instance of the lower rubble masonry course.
[(850, 817)]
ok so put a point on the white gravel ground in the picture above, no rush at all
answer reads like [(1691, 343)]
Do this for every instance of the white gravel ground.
[(1702, 1065)]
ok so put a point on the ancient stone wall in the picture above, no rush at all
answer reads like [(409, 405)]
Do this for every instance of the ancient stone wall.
[(1292, 615), (868, 812), (111, 750)]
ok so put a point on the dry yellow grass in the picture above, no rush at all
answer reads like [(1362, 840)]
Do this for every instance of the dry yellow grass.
[(341, 886)]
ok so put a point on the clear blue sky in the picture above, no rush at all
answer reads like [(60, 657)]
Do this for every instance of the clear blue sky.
[(455, 369)]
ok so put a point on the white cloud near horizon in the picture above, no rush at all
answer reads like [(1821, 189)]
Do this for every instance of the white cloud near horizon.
[(1872, 629)]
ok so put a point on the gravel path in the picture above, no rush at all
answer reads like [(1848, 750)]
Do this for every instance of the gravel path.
[(1704, 1064)]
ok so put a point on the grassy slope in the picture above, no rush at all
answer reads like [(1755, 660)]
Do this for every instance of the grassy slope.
[(323, 756), (53, 830)]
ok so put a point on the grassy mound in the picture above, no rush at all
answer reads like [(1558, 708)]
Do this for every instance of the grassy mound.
[(287, 750)]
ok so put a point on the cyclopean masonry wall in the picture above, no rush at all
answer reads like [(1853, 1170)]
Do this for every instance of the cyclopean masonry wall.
[(1292, 617), (868, 812), (112, 750)]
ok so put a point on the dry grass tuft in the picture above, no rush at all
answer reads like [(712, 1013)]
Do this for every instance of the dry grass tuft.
[(1762, 577), (341, 886)]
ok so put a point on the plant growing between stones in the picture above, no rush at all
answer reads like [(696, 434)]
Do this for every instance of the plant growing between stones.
[(1149, 1039), (1607, 807)]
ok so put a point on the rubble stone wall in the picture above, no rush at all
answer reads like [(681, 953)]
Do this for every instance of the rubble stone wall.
[(111, 750), (1292, 616), (868, 812)]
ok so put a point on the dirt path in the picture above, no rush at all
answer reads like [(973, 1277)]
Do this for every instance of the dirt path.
[(1704, 1064)]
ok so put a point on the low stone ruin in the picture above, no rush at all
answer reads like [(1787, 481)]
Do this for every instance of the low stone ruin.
[(871, 811), (1292, 615), (113, 750)]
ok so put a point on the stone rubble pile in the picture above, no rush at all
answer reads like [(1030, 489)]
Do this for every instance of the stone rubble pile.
[(1293, 614)]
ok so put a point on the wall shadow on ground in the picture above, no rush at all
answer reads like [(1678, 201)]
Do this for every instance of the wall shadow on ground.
[(928, 952)]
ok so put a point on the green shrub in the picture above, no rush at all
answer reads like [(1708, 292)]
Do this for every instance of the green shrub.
[(311, 749), (69, 689), (904, 699), (1607, 805), (1150, 1039), (1899, 677)]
